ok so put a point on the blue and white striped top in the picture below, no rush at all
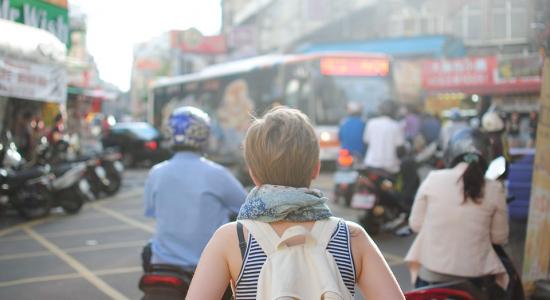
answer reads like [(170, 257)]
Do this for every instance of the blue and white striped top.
[(339, 246)]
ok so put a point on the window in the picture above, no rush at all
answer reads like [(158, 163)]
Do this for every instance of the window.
[(508, 19)]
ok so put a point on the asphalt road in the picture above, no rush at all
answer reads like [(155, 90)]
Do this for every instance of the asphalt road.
[(95, 254)]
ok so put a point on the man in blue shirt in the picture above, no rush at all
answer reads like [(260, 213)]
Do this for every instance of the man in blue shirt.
[(351, 131), (188, 195)]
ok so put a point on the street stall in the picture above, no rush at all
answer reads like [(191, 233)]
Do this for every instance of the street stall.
[(33, 86)]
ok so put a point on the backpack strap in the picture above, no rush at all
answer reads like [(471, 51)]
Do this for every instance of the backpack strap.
[(242, 241), (266, 237), (323, 230)]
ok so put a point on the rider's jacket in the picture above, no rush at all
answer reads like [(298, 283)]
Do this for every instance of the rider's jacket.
[(190, 197)]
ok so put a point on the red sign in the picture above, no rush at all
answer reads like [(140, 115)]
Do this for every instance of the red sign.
[(191, 41), (344, 66), (479, 75), (457, 73)]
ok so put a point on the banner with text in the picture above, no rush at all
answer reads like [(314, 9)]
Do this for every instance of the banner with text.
[(26, 80)]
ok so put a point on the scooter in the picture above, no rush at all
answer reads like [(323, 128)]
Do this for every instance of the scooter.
[(70, 189), (345, 177), (377, 194), (25, 190)]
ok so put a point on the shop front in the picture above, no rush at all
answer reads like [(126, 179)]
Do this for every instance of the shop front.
[(33, 83), (511, 84)]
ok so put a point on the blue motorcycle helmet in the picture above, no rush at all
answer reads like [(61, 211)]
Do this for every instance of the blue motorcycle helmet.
[(190, 128)]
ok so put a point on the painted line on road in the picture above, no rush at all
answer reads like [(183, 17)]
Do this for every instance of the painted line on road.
[(39, 279), (129, 244), (32, 223), (141, 225), (393, 260), (75, 264), (66, 233)]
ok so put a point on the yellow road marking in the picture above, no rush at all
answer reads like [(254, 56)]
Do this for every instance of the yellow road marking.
[(69, 276), (144, 226), (13, 228), (393, 260), (39, 279), (24, 255), (75, 264), (66, 233)]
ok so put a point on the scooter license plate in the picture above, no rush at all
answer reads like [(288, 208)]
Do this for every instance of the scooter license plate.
[(363, 201), (118, 166), (100, 172), (346, 177)]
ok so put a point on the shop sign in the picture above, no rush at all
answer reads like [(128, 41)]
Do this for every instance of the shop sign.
[(192, 41), (26, 80), (463, 72), (39, 14), (483, 75)]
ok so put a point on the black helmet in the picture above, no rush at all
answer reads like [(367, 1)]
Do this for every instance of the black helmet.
[(388, 108), (468, 141)]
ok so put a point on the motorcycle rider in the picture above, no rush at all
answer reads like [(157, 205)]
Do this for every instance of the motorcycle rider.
[(188, 195), (493, 125), (351, 131), (455, 124), (385, 139), (458, 214)]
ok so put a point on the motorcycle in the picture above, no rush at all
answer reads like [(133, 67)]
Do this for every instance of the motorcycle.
[(345, 177), (26, 190), (376, 193), (111, 163)]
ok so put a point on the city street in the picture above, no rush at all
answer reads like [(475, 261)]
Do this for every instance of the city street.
[(95, 254)]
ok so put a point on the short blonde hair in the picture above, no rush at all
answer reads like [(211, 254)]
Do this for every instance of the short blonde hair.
[(282, 148)]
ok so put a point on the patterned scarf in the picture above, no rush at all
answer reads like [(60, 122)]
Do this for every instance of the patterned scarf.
[(271, 203)]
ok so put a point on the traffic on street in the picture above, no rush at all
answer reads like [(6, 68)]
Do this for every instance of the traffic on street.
[(275, 149)]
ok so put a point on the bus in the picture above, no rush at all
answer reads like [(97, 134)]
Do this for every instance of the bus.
[(320, 85)]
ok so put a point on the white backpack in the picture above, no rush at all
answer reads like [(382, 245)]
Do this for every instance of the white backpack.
[(305, 271)]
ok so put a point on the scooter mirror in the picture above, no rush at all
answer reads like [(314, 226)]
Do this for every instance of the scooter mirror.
[(496, 168)]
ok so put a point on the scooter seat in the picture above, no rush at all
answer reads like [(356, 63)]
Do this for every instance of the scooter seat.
[(26, 174)]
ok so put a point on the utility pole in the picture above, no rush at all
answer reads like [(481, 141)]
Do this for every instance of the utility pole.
[(536, 263)]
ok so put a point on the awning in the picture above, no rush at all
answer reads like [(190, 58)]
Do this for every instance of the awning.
[(100, 94), (29, 43), (432, 46), (31, 64)]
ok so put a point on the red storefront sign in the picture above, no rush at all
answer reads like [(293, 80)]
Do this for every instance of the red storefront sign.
[(192, 41), (482, 75)]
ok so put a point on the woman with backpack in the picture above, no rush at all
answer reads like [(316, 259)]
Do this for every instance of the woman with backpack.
[(286, 244)]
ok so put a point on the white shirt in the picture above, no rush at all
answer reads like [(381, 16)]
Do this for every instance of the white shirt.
[(383, 135)]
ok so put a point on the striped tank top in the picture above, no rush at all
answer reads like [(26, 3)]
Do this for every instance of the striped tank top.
[(339, 246)]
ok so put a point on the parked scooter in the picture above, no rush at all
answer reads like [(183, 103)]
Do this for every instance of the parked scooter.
[(25, 190), (70, 189), (345, 177)]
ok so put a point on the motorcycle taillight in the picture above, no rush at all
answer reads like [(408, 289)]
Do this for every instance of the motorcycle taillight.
[(438, 294), (161, 279), (344, 158)]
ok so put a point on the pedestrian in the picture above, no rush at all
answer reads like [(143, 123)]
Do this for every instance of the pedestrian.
[(350, 133), (294, 247), (458, 214), (188, 195), (23, 135), (57, 130)]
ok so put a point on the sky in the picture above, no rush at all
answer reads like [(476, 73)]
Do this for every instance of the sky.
[(114, 27)]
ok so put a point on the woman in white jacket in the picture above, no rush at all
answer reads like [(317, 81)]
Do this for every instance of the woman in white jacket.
[(458, 215)]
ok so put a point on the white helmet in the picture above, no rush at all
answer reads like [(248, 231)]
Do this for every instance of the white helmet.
[(355, 108), (492, 122)]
